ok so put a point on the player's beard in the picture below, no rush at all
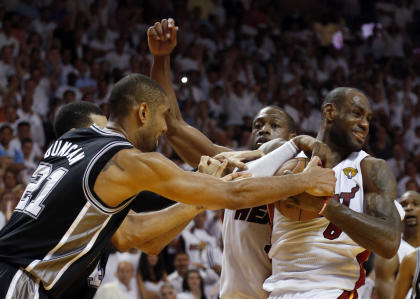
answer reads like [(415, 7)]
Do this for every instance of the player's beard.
[(342, 139)]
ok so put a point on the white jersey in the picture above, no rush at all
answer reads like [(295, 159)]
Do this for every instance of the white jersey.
[(404, 249), (245, 264), (316, 254)]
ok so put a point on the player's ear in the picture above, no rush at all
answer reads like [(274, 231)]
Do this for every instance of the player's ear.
[(292, 135), (143, 112), (329, 111)]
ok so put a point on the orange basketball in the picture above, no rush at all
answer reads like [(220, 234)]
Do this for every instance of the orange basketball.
[(288, 206)]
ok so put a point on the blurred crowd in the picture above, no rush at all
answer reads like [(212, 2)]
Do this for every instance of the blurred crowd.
[(233, 57)]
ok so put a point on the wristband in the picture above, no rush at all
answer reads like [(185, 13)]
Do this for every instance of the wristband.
[(268, 164), (324, 206), (294, 144)]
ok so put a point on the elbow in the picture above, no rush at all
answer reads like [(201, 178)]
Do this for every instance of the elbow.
[(388, 252), (120, 243), (151, 248)]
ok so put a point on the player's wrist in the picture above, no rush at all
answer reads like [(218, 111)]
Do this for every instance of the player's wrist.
[(324, 206)]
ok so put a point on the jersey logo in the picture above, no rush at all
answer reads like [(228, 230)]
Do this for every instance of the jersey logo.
[(333, 232), (350, 172)]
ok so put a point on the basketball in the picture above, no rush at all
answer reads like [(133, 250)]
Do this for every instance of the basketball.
[(288, 207)]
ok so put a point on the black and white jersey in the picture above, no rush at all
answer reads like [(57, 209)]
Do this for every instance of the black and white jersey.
[(60, 228), (415, 294)]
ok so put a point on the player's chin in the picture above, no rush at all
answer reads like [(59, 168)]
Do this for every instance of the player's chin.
[(356, 145)]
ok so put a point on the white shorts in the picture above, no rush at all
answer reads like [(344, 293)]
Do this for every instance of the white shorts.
[(313, 294)]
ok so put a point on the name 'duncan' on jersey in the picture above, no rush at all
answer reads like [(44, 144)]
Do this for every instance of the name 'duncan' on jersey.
[(71, 151)]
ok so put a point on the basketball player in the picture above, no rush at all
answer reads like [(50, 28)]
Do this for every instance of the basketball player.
[(322, 258), (246, 232), (144, 231), (385, 269), (408, 277), (86, 182)]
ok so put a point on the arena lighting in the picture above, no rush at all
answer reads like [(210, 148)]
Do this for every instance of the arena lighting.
[(184, 80)]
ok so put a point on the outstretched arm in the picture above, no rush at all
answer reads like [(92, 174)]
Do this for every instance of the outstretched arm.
[(378, 229), (147, 231), (188, 142), (133, 171), (405, 275)]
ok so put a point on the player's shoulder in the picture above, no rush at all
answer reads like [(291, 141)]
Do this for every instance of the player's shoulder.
[(410, 259), (370, 163), (377, 174)]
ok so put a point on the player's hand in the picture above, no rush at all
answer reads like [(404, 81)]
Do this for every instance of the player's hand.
[(323, 151), (218, 169), (236, 176), (238, 159), (212, 166), (313, 147), (161, 37), (322, 180)]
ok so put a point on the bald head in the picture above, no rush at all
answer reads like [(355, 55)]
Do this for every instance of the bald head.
[(410, 195), (338, 95), (125, 271)]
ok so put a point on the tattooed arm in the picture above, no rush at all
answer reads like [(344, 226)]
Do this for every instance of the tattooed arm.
[(378, 229)]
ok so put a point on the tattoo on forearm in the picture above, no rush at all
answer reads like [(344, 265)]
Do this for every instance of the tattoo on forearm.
[(111, 163)]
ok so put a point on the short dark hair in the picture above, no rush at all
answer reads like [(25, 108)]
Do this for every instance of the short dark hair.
[(25, 140), (23, 123), (289, 120), (131, 90), (6, 126), (75, 115)]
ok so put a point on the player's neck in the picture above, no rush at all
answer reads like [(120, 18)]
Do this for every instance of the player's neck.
[(412, 236), (338, 153), (117, 128)]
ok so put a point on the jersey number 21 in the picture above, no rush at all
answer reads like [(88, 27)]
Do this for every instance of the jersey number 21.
[(42, 182)]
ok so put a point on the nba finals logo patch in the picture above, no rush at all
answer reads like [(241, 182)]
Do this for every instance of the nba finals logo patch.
[(350, 172)]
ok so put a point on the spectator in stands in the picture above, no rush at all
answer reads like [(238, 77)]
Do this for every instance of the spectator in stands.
[(151, 275), (10, 180), (29, 163), (26, 114), (6, 149), (181, 263), (121, 288), (167, 291), (192, 286)]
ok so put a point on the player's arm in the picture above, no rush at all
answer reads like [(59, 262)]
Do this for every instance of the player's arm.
[(385, 270), (130, 171), (188, 142), (147, 231), (150, 232), (378, 229), (405, 275)]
